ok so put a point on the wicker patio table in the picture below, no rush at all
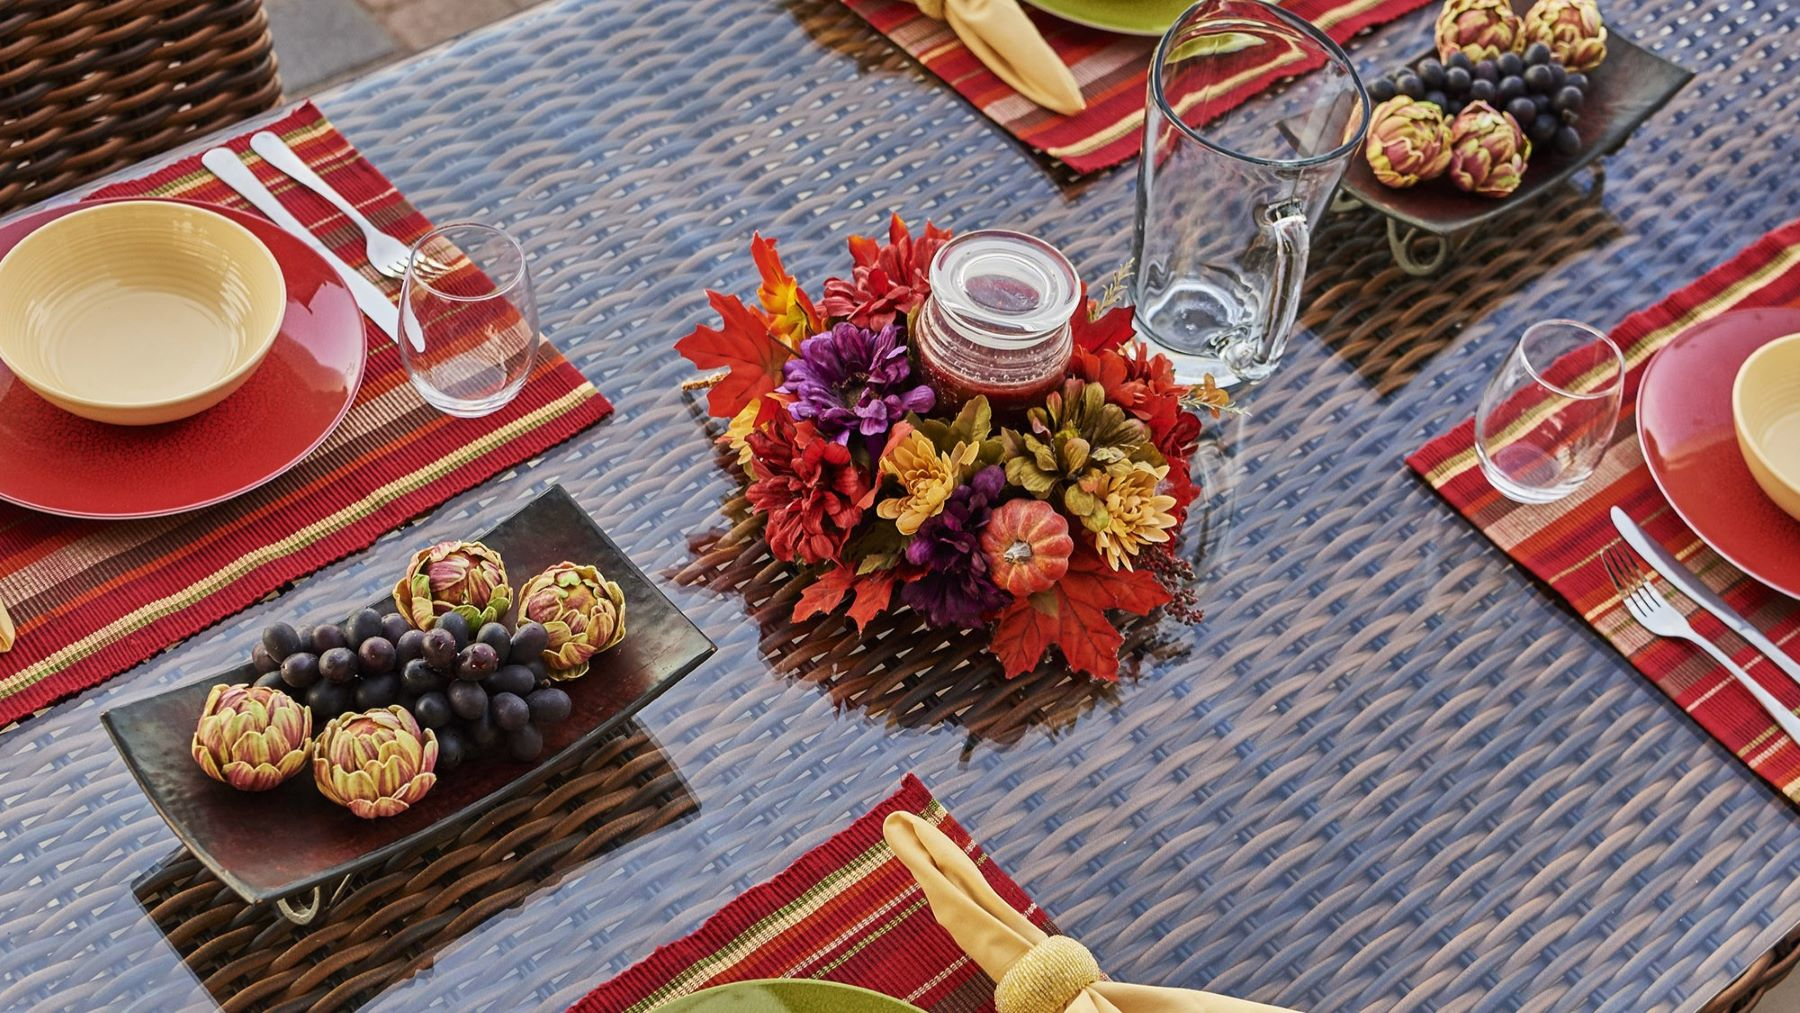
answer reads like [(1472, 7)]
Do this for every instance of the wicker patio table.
[(1387, 773)]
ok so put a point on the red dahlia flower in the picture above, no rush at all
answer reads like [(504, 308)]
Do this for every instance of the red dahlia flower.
[(1142, 384), (809, 488), (888, 280)]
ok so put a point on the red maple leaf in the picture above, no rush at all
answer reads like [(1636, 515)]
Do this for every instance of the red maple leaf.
[(744, 345), (1072, 615), (1107, 333), (873, 592)]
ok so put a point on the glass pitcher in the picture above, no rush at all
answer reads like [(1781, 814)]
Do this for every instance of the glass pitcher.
[(1251, 117)]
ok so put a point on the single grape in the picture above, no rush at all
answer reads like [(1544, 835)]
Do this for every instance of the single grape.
[(364, 623), (300, 670), (1510, 64), (377, 691), (280, 640), (1537, 53), (1542, 102), (1456, 106), (529, 641), (458, 628), (1577, 81), (540, 672), (1410, 85), (453, 748), (410, 645), (394, 626), (432, 710), (1567, 141), (338, 664), (328, 700), (1437, 98), (1460, 59), (510, 712), (1558, 76), (419, 677), (1510, 88), (476, 662), (1486, 70), (1381, 89), (1539, 79), (497, 637), (328, 635), (1457, 81), (1522, 109), (467, 700), (1568, 99), (271, 680), (377, 656), (525, 744), (262, 660), (1542, 129), (1481, 91), (484, 734), (1432, 73), (306, 641), (514, 679), (439, 648), (549, 706)]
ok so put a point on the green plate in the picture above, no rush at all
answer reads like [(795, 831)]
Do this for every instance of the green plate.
[(787, 995), (1127, 17)]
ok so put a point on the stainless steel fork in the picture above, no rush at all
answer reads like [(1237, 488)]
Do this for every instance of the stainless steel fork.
[(386, 254), (1654, 612)]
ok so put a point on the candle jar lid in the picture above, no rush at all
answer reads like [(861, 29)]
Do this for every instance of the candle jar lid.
[(1004, 289)]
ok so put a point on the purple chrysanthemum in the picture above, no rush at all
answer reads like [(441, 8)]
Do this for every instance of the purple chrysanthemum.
[(854, 380), (956, 590)]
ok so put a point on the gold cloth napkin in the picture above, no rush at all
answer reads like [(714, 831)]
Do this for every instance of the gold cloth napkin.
[(1001, 36), (1037, 973)]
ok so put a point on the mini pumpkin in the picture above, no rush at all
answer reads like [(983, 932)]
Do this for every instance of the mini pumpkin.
[(1027, 546)]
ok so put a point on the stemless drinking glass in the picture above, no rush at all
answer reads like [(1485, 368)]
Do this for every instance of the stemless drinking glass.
[(1548, 414), (468, 319), (1228, 194)]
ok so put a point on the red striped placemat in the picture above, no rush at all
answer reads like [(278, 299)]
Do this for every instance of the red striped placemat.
[(1560, 542), (847, 911), (1110, 69), (93, 598)]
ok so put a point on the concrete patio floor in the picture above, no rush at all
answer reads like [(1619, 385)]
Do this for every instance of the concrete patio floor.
[(322, 41)]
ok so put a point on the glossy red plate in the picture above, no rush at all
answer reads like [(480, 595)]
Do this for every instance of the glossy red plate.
[(61, 464), (1684, 424)]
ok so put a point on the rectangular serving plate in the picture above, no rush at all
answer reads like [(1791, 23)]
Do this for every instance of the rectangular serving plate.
[(278, 844), (1624, 91)]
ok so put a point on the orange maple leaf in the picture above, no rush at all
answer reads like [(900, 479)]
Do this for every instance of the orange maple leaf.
[(873, 592), (745, 345), (1072, 615), (792, 316)]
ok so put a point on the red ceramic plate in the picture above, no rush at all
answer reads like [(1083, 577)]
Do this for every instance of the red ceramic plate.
[(61, 464), (1684, 424)]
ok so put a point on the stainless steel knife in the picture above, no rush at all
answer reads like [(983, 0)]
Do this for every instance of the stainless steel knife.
[(1672, 570), (225, 164)]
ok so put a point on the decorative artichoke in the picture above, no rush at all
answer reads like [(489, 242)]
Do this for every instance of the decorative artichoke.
[(252, 737), (1481, 29), (467, 578), (583, 611), (1075, 432), (1409, 142), (376, 763), (1573, 29), (1488, 151)]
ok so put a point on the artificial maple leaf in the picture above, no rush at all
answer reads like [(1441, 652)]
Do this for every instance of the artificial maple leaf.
[(792, 316), (1103, 332), (1072, 615), (744, 345), (873, 592)]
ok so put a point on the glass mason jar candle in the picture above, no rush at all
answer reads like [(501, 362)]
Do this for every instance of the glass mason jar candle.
[(997, 321)]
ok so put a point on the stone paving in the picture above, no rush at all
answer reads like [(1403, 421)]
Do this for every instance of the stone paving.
[(322, 41)]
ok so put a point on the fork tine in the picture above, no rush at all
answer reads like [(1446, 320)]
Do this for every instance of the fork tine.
[(1623, 579)]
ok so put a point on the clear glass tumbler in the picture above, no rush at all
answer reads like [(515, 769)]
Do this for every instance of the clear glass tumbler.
[(1228, 193), (468, 319), (1548, 414)]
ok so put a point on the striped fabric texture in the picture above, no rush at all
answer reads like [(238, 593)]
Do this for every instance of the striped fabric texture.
[(93, 598), (1561, 542), (847, 911), (1109, 68)]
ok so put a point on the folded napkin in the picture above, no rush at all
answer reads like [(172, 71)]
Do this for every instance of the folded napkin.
[(1038, 973), (1003, 38)]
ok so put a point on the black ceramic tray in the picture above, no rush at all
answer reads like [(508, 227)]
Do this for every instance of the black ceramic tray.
[(282, 845), (1624, 91)]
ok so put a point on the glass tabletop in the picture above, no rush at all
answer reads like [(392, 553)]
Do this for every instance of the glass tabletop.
[(1387, 771)]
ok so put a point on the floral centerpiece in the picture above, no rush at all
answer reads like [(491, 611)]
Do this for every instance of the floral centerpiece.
[(1039, 527)]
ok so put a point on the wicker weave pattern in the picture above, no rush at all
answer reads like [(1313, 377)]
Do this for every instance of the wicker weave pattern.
[(90, 86), (1386, 774)]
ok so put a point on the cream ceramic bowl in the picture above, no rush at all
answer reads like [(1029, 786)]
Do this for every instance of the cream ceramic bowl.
[(138, 312), (1765, 408)]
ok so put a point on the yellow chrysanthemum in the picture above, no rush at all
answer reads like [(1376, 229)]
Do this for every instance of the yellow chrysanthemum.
[(926, 476), (737, 434), (1135, 512)]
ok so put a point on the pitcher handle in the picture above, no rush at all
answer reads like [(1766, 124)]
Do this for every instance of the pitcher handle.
[(1291, 234)]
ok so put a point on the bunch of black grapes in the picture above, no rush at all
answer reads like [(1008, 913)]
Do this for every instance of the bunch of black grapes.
[(1536, 91), (481, 691)]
